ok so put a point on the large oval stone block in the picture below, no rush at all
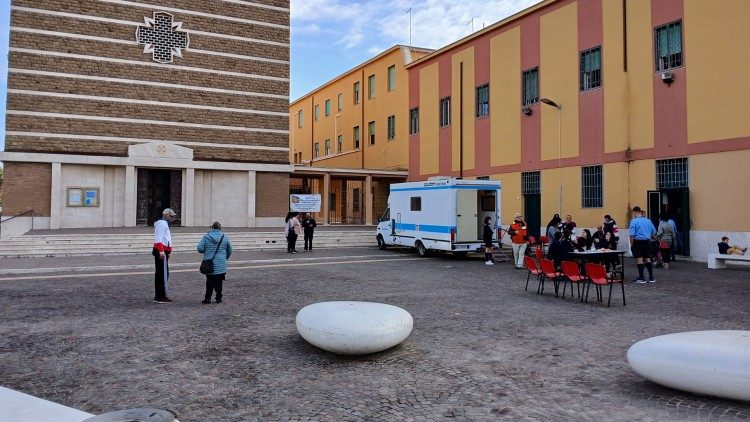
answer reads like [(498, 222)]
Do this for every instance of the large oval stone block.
[(715, 363), (353, 328)]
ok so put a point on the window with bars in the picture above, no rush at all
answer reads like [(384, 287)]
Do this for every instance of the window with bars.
[(483, 100), (672, 173), (530, 183), (328, 147), (591, 68), (392, 78), (371, 132), (530, 87), (391, 127), (356, 93), (340, 143), (592, 187), (414, 121), (668, 40), (355, 137), (445, 111)]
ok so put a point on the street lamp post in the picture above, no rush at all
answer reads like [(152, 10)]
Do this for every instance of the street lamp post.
[(559, 147)]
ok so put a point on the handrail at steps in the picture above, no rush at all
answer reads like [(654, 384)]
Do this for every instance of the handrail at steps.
[(31, 211)]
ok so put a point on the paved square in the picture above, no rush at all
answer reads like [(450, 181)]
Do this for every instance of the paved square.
[(482, 348)]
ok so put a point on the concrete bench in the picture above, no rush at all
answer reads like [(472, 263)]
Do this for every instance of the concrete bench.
[(716, 261)]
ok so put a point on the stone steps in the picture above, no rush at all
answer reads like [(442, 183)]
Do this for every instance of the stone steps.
[(120, 243)]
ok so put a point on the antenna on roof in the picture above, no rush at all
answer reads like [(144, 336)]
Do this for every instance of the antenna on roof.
[(472, 24), (409, 12)]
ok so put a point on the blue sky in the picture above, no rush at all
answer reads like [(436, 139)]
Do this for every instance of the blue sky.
[(331, 36)]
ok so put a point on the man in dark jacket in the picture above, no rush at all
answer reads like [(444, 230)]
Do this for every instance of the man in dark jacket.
[(308, 225), (487, 234)]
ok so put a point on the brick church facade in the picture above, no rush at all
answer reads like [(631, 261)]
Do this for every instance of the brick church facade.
[(118, 109)]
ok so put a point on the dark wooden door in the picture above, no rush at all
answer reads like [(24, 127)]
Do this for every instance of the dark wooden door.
[(532, 210), (142, 198), (175, 195)]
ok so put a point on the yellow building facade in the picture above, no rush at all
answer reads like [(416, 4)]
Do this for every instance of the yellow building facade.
[(590, 107), (349, 137)]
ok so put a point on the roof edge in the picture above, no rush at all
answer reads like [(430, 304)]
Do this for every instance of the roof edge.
[(359, 66), (529, 10)]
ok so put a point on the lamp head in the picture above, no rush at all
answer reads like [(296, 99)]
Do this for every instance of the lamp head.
[(550, 103)]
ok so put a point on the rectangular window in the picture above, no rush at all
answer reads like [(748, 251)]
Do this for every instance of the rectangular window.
[(591, 68), (668, 40), (340, 101), (672, 173), (299, 119), (371, 86), (414, 121), (328, 107), (391, 78), (371, 132), (316, 150), (340, 143), (445, 111), (391, 127), (530, 183), (328, 147), (317, 112), (530, 87), (592, 187), (356, 92), (355, 137), (416, 203), (483, 100)]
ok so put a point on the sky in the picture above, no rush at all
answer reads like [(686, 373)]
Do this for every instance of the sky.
[(330, 37)]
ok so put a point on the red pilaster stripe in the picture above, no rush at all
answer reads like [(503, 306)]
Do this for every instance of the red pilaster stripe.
[(531, 126), (591, 103), (444, 89), (482, 126), (413, 139)]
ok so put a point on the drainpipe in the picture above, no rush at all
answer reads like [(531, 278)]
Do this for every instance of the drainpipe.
[(461, 120), (362, 118)]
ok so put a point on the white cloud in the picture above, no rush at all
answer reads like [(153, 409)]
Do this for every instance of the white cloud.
[(373, 23)]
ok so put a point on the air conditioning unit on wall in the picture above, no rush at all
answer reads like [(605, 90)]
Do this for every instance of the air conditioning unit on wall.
[(667, 77)]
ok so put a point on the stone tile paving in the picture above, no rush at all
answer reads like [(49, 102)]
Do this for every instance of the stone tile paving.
[(482, 348)]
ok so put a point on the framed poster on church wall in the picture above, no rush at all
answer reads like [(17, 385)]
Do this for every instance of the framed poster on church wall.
[(82, 197)]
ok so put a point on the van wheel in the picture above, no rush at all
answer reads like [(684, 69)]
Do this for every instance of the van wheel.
[(421, 249), (381, 243)]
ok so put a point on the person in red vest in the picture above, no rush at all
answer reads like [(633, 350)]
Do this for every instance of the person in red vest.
[(519, 236)]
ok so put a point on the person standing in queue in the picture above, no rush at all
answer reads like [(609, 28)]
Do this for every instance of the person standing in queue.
[(161, 252), (487, 234), (291, 231), (519, 236), (308, 226), (642, 230), (215, 245)]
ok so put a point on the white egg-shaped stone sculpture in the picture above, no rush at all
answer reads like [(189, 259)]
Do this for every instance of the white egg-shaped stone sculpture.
[(353, 328), (715, 363)]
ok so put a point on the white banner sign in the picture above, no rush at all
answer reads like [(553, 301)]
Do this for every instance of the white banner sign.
[(304, 203)]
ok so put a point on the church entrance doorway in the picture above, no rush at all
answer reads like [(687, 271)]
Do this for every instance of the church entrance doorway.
[(158, 189)]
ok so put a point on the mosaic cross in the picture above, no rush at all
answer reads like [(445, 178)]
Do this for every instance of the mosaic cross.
[(162, 37)]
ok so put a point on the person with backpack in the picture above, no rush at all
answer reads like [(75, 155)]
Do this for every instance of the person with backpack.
[(216, 249), (292, 230)]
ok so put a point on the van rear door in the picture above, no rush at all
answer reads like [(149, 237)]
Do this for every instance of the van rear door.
[(466, 215)]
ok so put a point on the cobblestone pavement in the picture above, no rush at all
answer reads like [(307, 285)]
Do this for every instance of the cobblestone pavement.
[(482, 348)]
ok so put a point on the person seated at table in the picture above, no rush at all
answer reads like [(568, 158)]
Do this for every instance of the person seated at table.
[(556, 252), (569, 224), (725, 249), (568, 241), (598, 234), (552, 227), (610, 225), (585, 240)]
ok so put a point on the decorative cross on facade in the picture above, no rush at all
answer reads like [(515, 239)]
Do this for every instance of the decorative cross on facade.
[(162, 37)]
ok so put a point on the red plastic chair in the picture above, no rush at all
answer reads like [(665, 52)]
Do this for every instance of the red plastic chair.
[(532, 268), (539, 254), (573, 274), (549, 271), (597, 273)]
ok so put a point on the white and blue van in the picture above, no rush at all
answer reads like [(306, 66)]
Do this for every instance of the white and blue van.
[(441, 214)]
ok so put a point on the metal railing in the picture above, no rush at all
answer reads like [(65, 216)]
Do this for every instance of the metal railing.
[(31, 211)]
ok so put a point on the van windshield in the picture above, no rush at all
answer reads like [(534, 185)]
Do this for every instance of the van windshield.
[(386, 215)]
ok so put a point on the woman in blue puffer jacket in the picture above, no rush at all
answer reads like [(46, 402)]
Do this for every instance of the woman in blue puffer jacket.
[(215, 245)]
